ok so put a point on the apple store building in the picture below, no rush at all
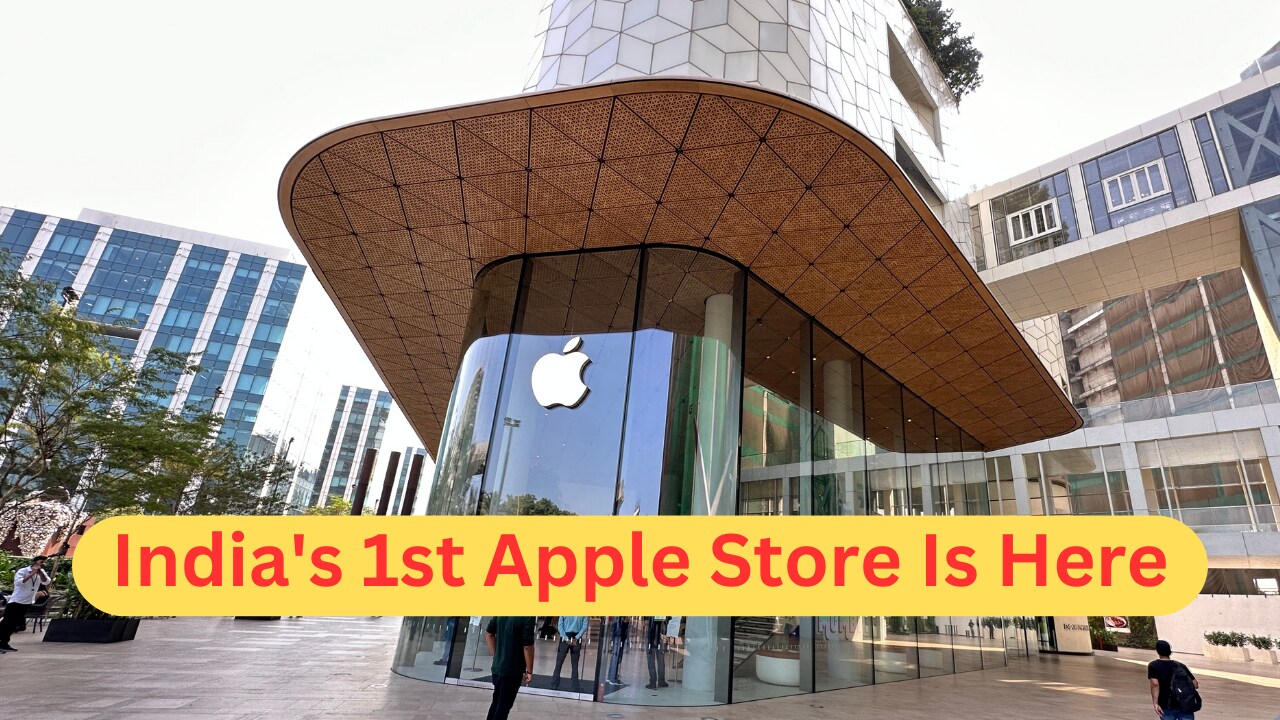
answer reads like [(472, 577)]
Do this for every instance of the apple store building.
[(676, 297)]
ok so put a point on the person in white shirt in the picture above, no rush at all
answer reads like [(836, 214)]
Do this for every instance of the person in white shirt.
[(26, 583)]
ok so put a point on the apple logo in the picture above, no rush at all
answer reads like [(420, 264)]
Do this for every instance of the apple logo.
[(557, 377)]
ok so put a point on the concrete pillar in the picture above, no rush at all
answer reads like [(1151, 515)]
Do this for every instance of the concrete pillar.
[(1021, 498), (1133, 477), (715, 478), (716, 472)]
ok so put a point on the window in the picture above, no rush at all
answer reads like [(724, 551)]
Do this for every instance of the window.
[(1034, 222), (1135, 186)]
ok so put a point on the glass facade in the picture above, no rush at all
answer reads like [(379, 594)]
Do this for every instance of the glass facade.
[(130, 276), (359, 421), (65, 252), (1249, 133), (1209, 154), (1219, 483), (1034, 218), (260, 357), (189, 303), (19, 234), (705, 393), (1137, 181), (1261, 222)]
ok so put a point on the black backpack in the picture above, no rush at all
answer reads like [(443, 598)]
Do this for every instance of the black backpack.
[(1182, 690)]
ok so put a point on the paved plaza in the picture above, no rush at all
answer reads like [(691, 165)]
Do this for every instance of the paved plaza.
[(337, 668)]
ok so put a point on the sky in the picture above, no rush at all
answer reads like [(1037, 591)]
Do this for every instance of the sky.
[(177, 114)]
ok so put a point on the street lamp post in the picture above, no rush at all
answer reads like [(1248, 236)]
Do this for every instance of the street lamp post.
[(512, 425)]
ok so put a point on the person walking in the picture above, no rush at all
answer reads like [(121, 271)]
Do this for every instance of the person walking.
[(1173, 687), (619, 631), (655, 639), (26, 584), (511, 640), (570, 630)]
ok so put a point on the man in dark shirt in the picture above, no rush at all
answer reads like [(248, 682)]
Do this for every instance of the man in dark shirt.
[(510, 639), (1160, 673)]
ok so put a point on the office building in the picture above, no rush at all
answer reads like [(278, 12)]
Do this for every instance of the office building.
[(359, 420), (1145, 267), (402, 476), (224, 301)]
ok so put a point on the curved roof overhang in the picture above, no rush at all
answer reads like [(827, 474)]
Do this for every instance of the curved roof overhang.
[(398, 215)]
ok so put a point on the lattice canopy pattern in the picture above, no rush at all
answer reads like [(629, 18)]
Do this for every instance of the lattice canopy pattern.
[(398, 215)]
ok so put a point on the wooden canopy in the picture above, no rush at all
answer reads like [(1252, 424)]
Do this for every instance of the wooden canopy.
[(398, 215)]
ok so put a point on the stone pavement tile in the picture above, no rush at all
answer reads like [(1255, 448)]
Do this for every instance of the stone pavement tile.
[(159, 704), (151, 676)]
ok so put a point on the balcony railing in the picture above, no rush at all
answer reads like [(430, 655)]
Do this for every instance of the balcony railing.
[(1237, 518)]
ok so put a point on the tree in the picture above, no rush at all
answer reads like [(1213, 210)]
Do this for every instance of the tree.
[(526, 504), (336, 506), (954, 53), (85, 424)]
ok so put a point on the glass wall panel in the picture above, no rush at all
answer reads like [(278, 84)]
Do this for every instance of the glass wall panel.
[(566, 373), (949, 491), (886, 462), (1249, 130), (967, 634), (1000, 484), (1136, 181), (1117, 483), (702, 392), (683, 398), (992, 637), (839, 445), (773, 656), (1034, 218), (844, 655), (468, 425), (896, 654), (978, 487), (921, 444), (934, 644)]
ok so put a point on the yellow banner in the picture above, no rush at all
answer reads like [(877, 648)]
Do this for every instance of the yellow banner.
[(640, 565)]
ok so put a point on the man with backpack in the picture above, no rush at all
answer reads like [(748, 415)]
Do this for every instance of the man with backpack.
[(1174, 690)]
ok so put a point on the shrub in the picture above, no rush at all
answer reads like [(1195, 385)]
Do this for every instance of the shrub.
[(1103, 637), (1226, 639), (1262, 642)]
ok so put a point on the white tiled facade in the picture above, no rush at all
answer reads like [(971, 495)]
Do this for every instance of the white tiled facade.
[(834, 54)]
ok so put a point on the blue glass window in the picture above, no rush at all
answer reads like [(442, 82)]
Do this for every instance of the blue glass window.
[(19, 234), (65, 253), (1034, 218), (1137, 181), (1249, 130), (1209, 153)]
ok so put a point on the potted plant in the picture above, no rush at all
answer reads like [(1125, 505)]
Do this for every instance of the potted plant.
[(81, 622), (1103, 639), (1266, 646), (1226, 646)]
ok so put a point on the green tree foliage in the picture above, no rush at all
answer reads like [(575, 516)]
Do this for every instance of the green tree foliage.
[(337, 506), (526, 504), (85, 425), (954, 53)]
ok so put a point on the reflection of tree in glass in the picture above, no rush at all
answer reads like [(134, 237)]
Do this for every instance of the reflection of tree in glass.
[(526, 504), (456, 466)]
